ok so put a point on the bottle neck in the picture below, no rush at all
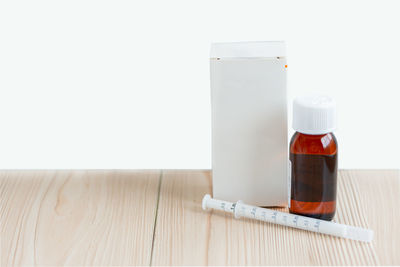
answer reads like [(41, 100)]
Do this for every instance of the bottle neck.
[(317, 134)]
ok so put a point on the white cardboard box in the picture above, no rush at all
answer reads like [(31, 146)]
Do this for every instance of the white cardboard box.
[(249, 122)]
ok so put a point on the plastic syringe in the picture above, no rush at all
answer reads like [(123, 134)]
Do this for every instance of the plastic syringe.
[(239, 209)]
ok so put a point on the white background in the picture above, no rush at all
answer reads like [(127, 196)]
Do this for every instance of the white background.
[(125, 84)]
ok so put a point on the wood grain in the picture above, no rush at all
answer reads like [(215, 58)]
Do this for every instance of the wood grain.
[(144, 218), (183, 228), (77, 217), (186, 235)]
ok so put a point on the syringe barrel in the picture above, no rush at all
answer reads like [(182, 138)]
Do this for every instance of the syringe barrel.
[(291, 220), (287, 219)]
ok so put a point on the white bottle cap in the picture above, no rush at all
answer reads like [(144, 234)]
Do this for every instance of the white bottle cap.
[(314, 114)]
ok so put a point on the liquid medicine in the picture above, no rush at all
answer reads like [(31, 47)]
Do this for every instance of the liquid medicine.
[(314, 158)]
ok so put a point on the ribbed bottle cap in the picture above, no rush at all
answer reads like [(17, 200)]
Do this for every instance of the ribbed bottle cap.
[(314, 114)]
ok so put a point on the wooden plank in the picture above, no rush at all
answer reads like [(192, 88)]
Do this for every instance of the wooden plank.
[(377, 194), (77, 217), (186, 235), (182, 228)]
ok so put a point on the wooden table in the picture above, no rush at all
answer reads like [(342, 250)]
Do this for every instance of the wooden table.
[(155, 218)]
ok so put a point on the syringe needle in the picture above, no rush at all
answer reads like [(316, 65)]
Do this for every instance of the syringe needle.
[(239, 209)]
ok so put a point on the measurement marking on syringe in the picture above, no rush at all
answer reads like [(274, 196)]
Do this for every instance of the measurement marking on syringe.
[(233, 206), (264, 215), (317, 225), (253, 212), (295, 220), (274, 216)]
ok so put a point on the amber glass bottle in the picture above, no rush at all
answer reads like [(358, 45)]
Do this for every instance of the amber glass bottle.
[(313, 157)]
